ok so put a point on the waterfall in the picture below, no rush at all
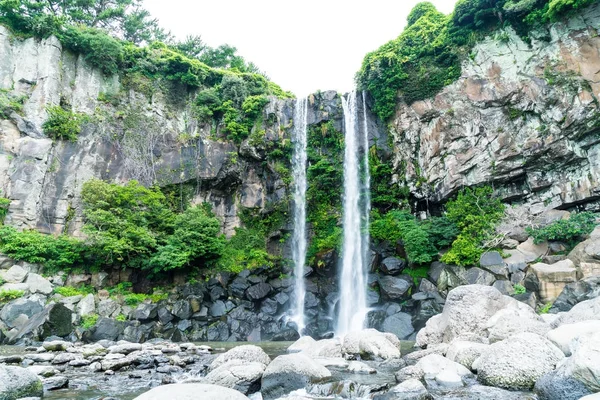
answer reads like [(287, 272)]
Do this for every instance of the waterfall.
[(299, 211), (353, 278)]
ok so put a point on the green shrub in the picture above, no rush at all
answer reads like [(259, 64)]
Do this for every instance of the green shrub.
[(63, 124), (545, 308), (4, 204), (121, 317), (519, 289), (56, 253), (10, 294), (134, 299), (475, 212), (98, 48), (69, 291), (122, 288), (571, 231), (89, 321)]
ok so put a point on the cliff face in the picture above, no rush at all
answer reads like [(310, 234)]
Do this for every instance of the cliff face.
[(134, 132), (523, 117)]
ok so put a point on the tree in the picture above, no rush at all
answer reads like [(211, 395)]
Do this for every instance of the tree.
[(224, 56), (418, 11), (192, 46), (139, 27)]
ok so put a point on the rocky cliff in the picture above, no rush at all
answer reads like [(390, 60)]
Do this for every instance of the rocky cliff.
[(524, 117)]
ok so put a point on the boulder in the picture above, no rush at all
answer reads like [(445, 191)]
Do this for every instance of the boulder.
[(557, 386), (108, 308), (182, 309), (465, 315), (565, 335), (124, 348), (144, 311), (399, 324), (478, 276), (15, 274), (191, 391), (23, 306), (17, 383), (438, 371), (107, 329), (516, 261), (392, 287), (410, 389), (584, 311), (258, 291), (38, 284), (465, 353), (290, 372), (518, 362), (586, 256), (504, 287), (55, 383), (532, 251), (304, 343), (247, 353), (392, 265), (576, 292), (326, 348), (87, 305), (515, 318), (378, 347), (584, 363), (241, 375), (553, 278), (55, 320)]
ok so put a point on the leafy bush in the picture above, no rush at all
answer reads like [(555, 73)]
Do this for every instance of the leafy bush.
[(570, 231), (98, 48), (63, 124), (545, 308), (134, 299), (245, 250), (10, 294), (56, 253), (89, 321), (475, 212), (121, 318)]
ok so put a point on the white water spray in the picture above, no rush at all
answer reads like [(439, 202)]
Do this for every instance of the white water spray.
[(299, 212), (353, 278)]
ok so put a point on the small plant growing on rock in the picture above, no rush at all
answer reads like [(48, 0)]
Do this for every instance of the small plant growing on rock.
[(89, 321), (69, 291), (8, 295), (545, 308), (519, 289), (570, 231), (63, 124), (121, 318)]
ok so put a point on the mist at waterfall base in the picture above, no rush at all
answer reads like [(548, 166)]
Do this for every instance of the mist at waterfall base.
[(352, 306)]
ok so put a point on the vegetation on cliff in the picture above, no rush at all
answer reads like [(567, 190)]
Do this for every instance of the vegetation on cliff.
[(428, 53)]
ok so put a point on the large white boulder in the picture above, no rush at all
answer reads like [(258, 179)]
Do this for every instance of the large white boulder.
[(465, 315), (371, 344), (584, 311), (564, 336), (444, 372), (515, 318), (464, 352), (248, 353), (290, 372), (191, 391), (518, 362), (16, 383), (237, 374)]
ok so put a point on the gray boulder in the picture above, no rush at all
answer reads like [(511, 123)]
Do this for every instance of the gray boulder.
[(15, 274), (17, 383), (26, 306), (290, 372), (258, 291), (145, 311), (399, 324), (478, 276), (517, 362), (392, 287), (87, 305), (54, 320), (107, 329), (191, 391), (243, 376), (556, 386), (392, 265), (38, 284), (465, 353), (182, 309)]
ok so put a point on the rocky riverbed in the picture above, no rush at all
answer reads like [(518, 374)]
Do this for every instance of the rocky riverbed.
[(484, 345)]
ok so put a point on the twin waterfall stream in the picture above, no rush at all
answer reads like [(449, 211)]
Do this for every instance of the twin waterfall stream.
[(351, 310)]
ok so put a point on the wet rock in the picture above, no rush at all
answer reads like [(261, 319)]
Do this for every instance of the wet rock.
[(145, 311), (410, 389), (182, 309), (107, 329), (399, 324), (247, 353), (392, 265), (218, 309), (218, 332), (258, 291), (55, 383), (392, 287)]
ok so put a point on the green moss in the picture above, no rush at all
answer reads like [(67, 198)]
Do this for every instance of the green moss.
[(10, 294), (89, 321)]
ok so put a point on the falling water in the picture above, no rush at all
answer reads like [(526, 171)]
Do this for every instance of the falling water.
[(353, 280), (299, 233)]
